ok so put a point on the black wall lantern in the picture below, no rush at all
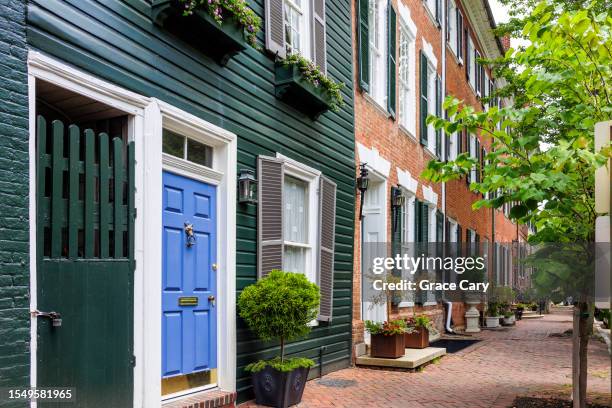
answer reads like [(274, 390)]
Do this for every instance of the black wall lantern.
[(398, 199), (362, 185), (247, 186)]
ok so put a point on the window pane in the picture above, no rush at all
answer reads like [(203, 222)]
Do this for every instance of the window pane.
[(294, 259), (199, 153), (173, 144), (295, 197)]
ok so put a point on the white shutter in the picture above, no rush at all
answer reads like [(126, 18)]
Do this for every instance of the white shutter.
[(319, 46), (275, 28)]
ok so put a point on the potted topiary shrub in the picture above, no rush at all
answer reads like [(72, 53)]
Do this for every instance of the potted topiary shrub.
[(492, 315), (279, 307), (417, 335), (387, 338)]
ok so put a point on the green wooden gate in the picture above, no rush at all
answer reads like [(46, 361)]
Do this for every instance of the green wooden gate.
[(85, 265)]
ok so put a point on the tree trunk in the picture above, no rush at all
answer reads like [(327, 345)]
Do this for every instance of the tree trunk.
[(580, 341)]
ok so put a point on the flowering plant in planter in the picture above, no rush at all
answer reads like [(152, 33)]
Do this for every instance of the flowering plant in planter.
[(417, 335), (223, 9), (386, 328), (387, 339), (311, 73)]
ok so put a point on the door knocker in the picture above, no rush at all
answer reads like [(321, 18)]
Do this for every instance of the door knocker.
[(190, 235)]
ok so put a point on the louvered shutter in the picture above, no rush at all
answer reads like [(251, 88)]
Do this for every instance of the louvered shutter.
[(269, 215), (477, 160), (468, 57), (447, 235), (363, 43), (423, 108), (327, 239), (468, 149), (275, 28), (417, 220), (439, 226), (477, 245), (424, 222), (459, 34), (319, 45), (439, 114), (391, 65)]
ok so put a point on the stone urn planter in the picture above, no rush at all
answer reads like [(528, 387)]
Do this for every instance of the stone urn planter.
[(387, 346), (492, 321), (418, 339), (508, 321), (472, 315)]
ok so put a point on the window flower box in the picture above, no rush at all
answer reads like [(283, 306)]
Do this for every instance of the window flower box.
[(199, 29), (292, 88)]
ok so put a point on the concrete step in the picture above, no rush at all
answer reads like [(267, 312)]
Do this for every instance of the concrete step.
[(412, 358)]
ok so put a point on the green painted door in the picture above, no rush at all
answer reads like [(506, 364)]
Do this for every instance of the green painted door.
[(85, 218)]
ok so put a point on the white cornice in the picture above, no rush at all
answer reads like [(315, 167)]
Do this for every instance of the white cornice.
[(478, 17)]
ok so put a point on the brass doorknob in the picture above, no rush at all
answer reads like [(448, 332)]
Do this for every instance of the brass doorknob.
[(214, 267)]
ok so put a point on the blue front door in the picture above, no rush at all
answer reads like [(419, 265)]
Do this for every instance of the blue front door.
[(189, 286)]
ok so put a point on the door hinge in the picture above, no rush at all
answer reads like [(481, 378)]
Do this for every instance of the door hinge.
[(133, 361)]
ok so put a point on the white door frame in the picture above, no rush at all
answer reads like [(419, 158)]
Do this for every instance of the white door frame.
[(147, 118)]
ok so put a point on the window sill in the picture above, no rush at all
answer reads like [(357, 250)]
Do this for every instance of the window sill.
[(431, 15), (376, 105), (458, 60), (408, 133)]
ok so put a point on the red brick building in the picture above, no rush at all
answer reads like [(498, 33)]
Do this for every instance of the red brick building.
[(408, 55)]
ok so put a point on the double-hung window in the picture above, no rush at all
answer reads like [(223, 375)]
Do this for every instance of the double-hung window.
[(296, 37), (430, 89), (473, 155), (296, 27), (377, 55), (472, 63), (407, 79), (455, 30), (296, 223)]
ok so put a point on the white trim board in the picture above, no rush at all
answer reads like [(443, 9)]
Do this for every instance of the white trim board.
[(148, 117), (374, 160)]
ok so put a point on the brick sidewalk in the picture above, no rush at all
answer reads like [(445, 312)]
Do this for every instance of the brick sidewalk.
[(522, 360)]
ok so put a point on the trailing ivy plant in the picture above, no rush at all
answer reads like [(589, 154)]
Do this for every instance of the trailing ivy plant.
[(221, 10), (311, 73), (280, 306)]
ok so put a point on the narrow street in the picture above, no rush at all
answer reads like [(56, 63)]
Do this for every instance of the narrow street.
[(527, 359)]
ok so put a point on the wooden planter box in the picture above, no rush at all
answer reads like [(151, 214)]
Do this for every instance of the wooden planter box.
[(294, 90), (418, 339), (387, 346), (200, 30)]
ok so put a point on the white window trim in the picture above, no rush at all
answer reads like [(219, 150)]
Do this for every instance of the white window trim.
[(305, 25), (408, 119), (409, 223), (472, 67), (431, 13), (378, 82), (148, 117), (311, 176)]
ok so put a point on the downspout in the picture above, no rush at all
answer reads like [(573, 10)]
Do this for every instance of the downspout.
[(449, 304)]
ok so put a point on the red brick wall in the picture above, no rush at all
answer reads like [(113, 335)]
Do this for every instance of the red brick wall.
[(374, 129)]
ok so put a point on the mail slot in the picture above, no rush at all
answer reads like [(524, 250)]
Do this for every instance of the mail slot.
[(188, 301)]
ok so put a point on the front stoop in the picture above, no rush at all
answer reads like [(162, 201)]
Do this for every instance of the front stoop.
[(412, 358), (208, 399)]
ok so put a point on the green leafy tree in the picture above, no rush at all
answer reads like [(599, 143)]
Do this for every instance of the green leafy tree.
[(542, 159), (280, 306)]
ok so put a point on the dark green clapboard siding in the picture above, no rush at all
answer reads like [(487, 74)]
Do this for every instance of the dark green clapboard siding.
[(115, 40)]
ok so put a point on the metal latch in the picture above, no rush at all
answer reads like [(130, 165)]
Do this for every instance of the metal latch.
[(56, 318)]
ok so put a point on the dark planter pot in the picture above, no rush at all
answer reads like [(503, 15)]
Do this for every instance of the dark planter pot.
[(418, 339), (200, 30), (387, 346), (518, 313), (279, 389), (294, 90)]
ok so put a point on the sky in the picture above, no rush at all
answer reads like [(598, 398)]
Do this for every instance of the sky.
[(499, 11)]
